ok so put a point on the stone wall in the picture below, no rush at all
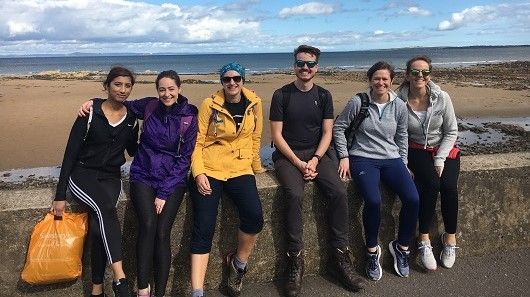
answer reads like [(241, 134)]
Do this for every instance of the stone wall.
[(494, 215)]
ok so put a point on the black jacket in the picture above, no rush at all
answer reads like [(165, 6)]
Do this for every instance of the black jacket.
[(102, 149)]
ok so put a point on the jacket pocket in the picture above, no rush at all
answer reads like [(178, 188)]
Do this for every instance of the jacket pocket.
[(245, 153)]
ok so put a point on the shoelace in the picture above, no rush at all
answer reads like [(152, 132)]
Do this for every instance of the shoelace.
[(293, 270), (450, 249), (372, 262), (404, 259), (426, 249), (346, 262)]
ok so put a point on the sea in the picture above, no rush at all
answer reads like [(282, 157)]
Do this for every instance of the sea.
[(259, 62)]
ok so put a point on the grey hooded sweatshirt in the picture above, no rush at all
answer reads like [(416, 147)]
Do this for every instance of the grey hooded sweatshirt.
[(382, 135), (439, 130)]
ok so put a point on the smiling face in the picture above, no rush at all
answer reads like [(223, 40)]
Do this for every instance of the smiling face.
[(119, 88), (419, 81), (305, 73), (168, 91), (381, 82), (232, 87)]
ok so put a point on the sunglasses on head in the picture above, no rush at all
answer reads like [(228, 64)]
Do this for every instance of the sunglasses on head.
[(227, 79), (301, 63), (416, 72)]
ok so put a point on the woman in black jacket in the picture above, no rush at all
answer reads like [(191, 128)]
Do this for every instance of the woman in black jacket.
[(91, 169)]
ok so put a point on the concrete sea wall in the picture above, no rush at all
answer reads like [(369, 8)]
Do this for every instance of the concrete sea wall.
[(493, 215)]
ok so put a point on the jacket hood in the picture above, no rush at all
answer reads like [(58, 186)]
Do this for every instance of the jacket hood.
[(435, 92)]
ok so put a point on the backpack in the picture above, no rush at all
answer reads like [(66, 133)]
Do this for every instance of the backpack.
[(286, 98), (359, 118)]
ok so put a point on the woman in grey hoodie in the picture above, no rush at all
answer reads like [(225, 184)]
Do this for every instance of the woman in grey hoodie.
[(433, 157), (379, 153)]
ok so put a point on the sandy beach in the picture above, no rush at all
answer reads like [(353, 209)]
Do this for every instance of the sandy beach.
[(37, 112)]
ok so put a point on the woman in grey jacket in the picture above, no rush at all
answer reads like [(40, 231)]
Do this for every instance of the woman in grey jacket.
[(433, 157), (379, 153)]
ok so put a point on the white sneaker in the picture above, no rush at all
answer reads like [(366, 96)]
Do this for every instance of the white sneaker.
[(448, 254), (426, 256)]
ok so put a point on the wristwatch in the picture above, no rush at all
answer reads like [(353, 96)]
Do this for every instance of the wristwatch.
[(317, 156)]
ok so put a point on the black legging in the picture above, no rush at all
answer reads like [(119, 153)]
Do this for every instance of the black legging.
[(99, 196), (429, 185), (154, 234)]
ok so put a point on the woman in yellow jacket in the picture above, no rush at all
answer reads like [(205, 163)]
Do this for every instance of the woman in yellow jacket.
[(225, 158)]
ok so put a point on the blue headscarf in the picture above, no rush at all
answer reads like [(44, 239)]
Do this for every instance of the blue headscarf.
[(232, 66)]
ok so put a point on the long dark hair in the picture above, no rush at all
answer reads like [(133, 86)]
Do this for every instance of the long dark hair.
[(116, 71)]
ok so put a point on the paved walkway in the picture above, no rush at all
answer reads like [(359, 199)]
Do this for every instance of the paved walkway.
[(502, 274)]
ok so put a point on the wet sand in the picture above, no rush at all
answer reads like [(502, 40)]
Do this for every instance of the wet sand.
[(37, 112)]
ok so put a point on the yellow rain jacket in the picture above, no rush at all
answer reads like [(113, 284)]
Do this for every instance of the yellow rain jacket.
[(221, 151)]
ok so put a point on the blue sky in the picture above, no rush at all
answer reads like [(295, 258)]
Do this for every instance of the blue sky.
[(240, 26)]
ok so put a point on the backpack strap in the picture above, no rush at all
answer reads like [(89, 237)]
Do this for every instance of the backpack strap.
[(213, 119), (286, 95), (150, 108), (185, 122), (90, 115), (148, 111), (359, 118), (363, 112), (322, 96)]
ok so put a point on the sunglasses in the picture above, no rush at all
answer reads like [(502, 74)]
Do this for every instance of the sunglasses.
[(301, 63), (416, 72), (227, 79)]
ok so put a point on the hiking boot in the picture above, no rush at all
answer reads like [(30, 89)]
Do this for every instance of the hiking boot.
[(426, 256), (373, 267), (341, 267), (234, 281), (295, 272), (121, 288), (448, 254), (401, 259)]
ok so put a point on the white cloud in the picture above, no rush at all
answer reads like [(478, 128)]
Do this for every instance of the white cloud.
[(415, 11), (486, 14), (115, 21), (16, 28), (311, 8)]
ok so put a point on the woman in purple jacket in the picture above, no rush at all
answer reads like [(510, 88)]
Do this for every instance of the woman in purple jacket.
[(158, 175)]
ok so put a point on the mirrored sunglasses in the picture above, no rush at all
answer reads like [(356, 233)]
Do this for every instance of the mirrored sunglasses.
[(416, 72)]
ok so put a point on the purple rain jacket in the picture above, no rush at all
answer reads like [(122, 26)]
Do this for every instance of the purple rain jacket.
[(158, 162)]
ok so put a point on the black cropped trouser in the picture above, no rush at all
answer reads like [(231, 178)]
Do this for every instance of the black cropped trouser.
[(429, 185)]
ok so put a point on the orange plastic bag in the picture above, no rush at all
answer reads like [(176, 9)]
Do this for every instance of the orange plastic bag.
[(55, 249)]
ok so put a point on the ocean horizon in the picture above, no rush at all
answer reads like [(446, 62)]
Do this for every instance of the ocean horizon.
[(259, 62)]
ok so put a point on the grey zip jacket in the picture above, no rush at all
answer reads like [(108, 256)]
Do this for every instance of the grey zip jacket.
[(440, 127), (380, 135)]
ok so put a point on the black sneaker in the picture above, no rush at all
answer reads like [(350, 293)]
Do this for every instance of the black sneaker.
[(341, 267), (295, 272), (121, 288), (234, 281)]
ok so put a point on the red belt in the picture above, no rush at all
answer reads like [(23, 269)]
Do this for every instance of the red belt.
[(453, 153)]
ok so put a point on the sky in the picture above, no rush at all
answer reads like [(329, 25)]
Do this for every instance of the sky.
[(255, 26)]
